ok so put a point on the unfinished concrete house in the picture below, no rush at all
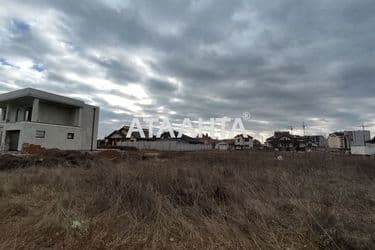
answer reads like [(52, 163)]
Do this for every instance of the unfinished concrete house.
[(30, 116)]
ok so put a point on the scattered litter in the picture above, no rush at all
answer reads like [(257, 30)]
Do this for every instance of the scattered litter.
[(77, 225), (280, 158)]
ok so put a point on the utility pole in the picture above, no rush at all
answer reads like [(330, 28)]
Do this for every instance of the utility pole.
[(304, 128)]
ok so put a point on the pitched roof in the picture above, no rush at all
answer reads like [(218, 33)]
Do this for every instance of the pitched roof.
[(243, 136), (185, 138), (124, 131)]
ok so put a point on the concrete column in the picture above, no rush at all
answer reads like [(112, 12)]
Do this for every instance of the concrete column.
[(2, 117), (2, 138), (78, 117), (7, 113), (35, 113)]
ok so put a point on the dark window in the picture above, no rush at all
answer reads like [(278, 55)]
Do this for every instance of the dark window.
[(40, 134), (70, 136)]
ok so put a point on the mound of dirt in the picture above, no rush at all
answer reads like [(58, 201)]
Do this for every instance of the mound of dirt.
[(31, 149), (66, 158), (109, 154), (8, 161)]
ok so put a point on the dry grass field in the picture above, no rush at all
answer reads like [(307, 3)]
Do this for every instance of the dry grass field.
[(187, 201)]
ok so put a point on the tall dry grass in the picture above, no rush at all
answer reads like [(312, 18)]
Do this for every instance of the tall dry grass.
[(189, 200)]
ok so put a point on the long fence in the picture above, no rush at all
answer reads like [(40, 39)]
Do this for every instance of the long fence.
[(369, 149), (165, 145)]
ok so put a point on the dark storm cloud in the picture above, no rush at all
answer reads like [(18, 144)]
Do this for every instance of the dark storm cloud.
[(284, 61)]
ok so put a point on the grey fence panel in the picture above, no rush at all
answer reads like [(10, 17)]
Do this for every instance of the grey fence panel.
[(165, 146)]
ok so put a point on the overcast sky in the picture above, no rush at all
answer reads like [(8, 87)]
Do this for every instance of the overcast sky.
[(285, 62)]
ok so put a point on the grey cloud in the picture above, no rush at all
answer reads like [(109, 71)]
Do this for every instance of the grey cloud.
[(160, 86)]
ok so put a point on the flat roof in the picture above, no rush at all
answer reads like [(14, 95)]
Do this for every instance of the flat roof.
[(42, 95)]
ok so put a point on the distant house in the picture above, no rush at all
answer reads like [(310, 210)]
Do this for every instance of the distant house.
[(345, 140), (166, 142), (257, 144), (358, 137), (184, 138), (242, 142), (318, 141), (207, 140), (100, 143), (281, 140), (120, 136), (113, 138), (337, 140)]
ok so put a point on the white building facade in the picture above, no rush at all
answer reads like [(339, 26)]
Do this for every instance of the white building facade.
[(358, 137), (336, 140), (348, 139), (30, 116)]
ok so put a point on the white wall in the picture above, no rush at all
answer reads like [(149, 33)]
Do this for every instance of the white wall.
[(165, 145), (360, 137), (87, 116), (369, 149), (222, 146), (55, 135), (335, 142)]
